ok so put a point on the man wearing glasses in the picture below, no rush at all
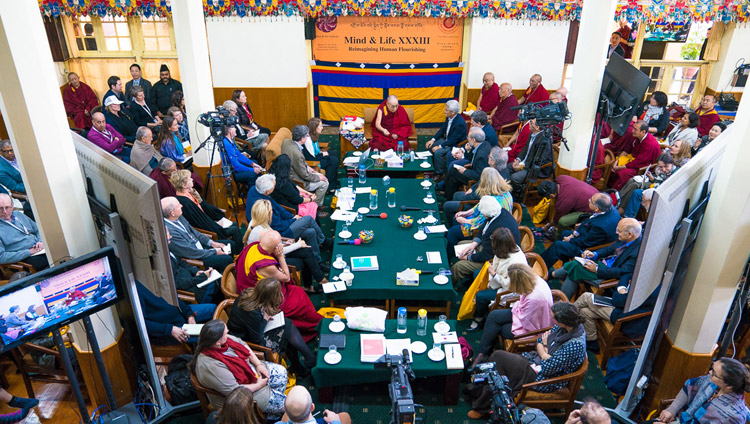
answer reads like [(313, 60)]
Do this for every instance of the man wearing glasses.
[(19, 237), (10, 175)]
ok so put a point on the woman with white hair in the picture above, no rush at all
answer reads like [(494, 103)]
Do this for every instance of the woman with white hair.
[(479, 250)]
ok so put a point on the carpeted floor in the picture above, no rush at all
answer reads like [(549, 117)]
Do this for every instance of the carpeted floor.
[(369, 403)]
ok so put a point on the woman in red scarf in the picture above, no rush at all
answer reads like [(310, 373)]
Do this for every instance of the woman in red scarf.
[(391, 125), (223, 363)]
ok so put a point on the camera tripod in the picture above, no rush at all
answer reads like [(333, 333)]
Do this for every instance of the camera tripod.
[(226, 168)]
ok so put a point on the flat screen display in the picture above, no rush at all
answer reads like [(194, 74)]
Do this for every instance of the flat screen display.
[(35, 305), (668, 31)]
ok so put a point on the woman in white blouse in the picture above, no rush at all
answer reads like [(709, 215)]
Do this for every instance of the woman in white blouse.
[(687, 130)]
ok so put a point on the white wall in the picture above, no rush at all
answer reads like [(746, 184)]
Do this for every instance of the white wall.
[(734, 46), (257, 52), (506, 48)]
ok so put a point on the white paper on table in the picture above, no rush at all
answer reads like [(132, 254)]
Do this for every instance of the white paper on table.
[(387, 154), (444, 338), (345, 204), (397, 346), (352, 160), (434, 258), (363, 190), (215, 275), (453, 358), (431, 229), (333, 287), (339, 215), (461, 248), (224, 222), (424, 154)]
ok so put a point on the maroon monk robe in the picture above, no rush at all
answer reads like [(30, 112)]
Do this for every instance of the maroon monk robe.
[(77, 102), (539, 94), (521, 141), (490, 98), (645, 152), (600, 158), (619, 143), (396, 123), (503, 115), (708, 119)]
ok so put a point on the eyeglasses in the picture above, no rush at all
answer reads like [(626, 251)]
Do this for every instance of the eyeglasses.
[(6, 151), (714, 374)]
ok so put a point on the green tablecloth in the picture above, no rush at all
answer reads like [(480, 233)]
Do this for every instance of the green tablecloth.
[(409, 166), (395, 247), (351, 371)]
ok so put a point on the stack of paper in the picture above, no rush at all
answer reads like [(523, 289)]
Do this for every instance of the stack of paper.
[(275, 322), (333, 287), (445, 338), (215, 275), (424, 154), (397, 346), (224, 222), (364, 263), (453, 358), (192, 329), (351, 160), (339, 215), (373, 347), (461, 248), (432, 229)]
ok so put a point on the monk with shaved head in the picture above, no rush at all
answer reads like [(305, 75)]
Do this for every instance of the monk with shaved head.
[(391, 125)]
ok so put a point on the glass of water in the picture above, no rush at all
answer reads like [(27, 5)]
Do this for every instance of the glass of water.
[(339, 258), (350, 182), (359, 217), (429, 196), (332, 349), (442, 319)]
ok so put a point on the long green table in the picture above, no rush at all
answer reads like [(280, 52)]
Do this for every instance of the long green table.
[(410, 168), (396, 249), (351, 371)]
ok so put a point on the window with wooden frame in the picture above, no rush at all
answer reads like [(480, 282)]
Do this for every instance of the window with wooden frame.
[(119, 36), (157, 35)]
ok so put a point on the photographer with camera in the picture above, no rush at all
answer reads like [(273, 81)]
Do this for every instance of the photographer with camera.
[(536, 153), (559, 351)]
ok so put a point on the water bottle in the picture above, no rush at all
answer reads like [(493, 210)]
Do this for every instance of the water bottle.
[(391, 195), (412, 157), (422, 323), (400, 149), (401, 328), (362, 174), (373, 199)]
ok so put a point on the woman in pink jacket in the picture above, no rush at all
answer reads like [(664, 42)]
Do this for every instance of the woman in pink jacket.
[(530, 313)]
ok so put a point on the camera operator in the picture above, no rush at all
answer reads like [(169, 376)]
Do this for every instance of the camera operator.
[(531, 156)]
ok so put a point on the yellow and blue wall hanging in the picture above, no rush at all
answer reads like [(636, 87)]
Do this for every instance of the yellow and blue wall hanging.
[(345, 89)]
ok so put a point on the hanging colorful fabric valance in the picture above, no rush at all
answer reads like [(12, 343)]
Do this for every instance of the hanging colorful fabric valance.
[(651, 11)]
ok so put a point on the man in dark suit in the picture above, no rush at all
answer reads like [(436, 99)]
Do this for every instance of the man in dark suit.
[(448, 136), (139, 81), (527, 158), (477, 158), (614, 45), (480, 249), (479, 120), (616, 260), (598, 229), (10, 175)]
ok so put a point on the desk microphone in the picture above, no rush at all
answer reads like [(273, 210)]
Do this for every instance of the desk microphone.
[(355, 242), (374, 215), (410, 208)]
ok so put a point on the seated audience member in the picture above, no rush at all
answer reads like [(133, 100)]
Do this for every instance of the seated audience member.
[(222, 363), (79, 100), (530, 313), (506, 253), (644, 150), (139, 82), (299, 408), (680, 151), (246, 114), (288, 194), (617, 260), (199, 213), (489, 96), (182, 123), (590, 413), (164, 321), (119, 118), (190, 244), (231, 107), (297, 253), (237, 409), (479, 250), (477, 158), (526, 157), (654, 112), (19, 237), (489, 181), (391, 125), (163, 173), (31, 314), (598, 229), (572, 199), (480, 120), (74, 295), (718, 397), (288, 225), (631, 193), (178, 101), (614, 45), (257, 140), (313, 181), (12, 320), (559, 351), (115, 89), (265, 258), (452, 132), (254, 309), (687, 130), (10, 173), (105, 136), (143, 155), (142, 113), (528, 131), (163, 90), (594, 311), (244, 169), (169, 142), (187, 277), (312, 151), (468, 221), (23, 406), (504, 114), (702, 142), (535, 92), (707, 113), (563, 93)]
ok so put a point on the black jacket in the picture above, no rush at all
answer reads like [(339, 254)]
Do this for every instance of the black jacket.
[(457, 132), (287, 195), (159, 315), (505, 219), (186, 278), (141, 116), (162, 94), (638, 327), (148, 93), (123, 123), (623, 265), (206, 219), (546, 156), (659, 123), (479, 160), (597, 230)]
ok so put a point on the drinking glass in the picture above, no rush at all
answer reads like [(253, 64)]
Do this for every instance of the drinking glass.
[(420, 229), (442, 318), (332, 349), (429, 196), (337, 318), (359, 217), (339, 258), (350, 182)]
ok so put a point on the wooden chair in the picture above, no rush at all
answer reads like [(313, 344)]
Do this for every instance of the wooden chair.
[(164, 354), (202, 393), (561, 399), (526, 341), (527, 238), (274, 145), (517, 212), (31, 371), (213, 236), (530, 188), (7, 270), (222, 313), (509, 126), (612, 339), (369, 115), (229, 282), (536, 263), (606, 167), (463, 203)]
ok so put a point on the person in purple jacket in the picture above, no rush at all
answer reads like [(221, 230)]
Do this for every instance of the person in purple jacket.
[(103, 135)]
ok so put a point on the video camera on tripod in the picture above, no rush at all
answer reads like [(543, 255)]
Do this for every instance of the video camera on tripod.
[(545, 112), (399, 389), (504, 410), (216, 120)]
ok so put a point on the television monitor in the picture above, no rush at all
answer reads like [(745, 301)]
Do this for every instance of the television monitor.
[(624, 86), (676, 32), (33, 306)]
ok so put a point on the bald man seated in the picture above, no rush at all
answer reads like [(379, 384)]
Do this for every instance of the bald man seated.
[(503, 113), (591, 412), (299, 407), (615, 261), (391, 125), (535, 91)]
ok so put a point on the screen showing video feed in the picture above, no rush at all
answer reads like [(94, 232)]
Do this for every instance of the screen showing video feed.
[(32, 310)]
